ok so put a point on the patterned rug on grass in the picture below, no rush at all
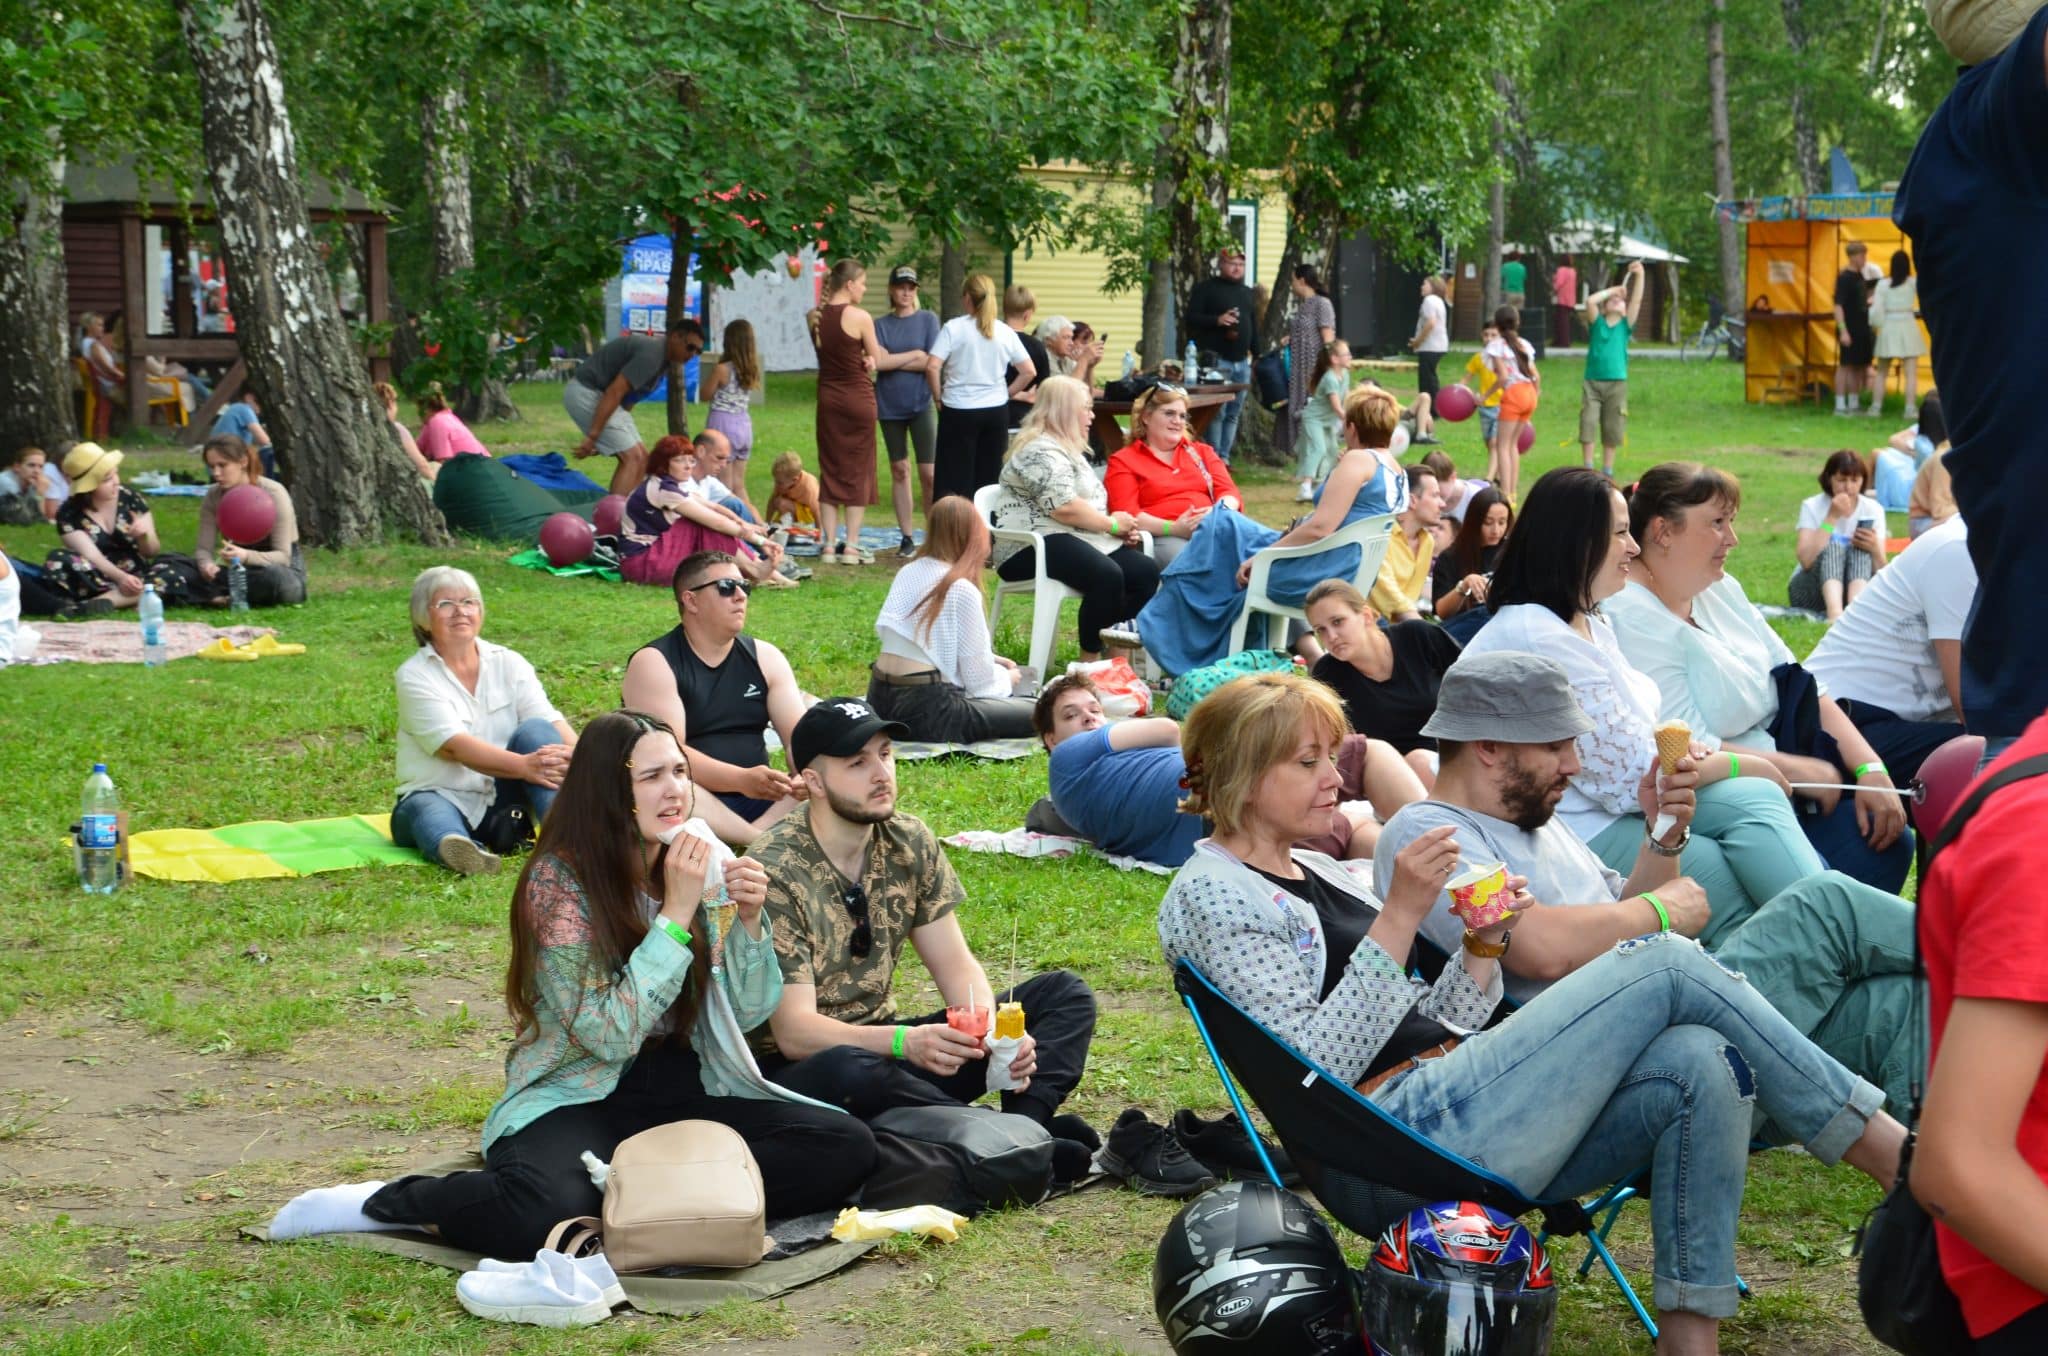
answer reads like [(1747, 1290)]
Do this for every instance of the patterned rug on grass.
[(267, 848), (990, 750), (120, 642), (1025, 843)]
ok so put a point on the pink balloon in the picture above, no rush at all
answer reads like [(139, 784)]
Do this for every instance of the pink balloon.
[(1527, 439), (567, 539), (246, 514), (1455, 403), (609, 513)]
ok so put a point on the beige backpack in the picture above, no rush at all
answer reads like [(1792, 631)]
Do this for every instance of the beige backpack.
[(686, 1194)]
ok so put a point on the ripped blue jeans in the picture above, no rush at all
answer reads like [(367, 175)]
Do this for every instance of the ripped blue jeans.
[(1653, 1053)]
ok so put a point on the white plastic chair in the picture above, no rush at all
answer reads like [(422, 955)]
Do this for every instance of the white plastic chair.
[(1369, 535), (1046, 593)]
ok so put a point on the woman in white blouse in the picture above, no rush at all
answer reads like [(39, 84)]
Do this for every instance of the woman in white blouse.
[(481, 749), (1048, 487), (1568, 557), (1686, 623), (937, 672)]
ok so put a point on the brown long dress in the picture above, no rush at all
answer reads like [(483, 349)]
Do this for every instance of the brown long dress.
[(846, 415)]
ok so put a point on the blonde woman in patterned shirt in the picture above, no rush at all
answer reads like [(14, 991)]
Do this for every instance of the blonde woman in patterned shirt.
[(627, 1014)]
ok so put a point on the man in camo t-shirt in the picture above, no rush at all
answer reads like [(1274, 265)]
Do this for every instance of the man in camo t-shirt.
[(850, 879)]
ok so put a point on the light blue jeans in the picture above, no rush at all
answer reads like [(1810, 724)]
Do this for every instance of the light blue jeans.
[(1652, 1053), (1223, 432), (423, 818), (1747, 848)]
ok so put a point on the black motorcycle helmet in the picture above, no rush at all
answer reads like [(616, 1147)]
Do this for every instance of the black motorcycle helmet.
[(1459, 1279), (1247, 1269)]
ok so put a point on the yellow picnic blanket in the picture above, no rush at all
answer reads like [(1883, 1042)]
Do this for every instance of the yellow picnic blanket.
[(267, 848)]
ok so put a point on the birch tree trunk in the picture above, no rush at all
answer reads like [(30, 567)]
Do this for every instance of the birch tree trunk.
[(681, 240), (444, 153), (1157, 316), (1200, 153), (351, 484), (1733, 284), (35, 354), (1805, 137)]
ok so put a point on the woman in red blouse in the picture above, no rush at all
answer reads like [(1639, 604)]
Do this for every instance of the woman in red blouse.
[(1165, 479)]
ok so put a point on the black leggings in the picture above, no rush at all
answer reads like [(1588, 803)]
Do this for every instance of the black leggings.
[(1112, 587), (2026, 1335), (37, 598), (970, 450), (810, 1159), (1059, 1012)]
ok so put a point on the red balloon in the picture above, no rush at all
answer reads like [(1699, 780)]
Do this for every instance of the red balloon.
[(1526, 439), (567, 539), (609, 514), (246, 514), (1455, 403)]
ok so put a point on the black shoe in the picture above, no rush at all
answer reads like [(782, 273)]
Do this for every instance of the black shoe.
[(1225, 1149), (1149, 1160), (906, 548), (1067, 1125)]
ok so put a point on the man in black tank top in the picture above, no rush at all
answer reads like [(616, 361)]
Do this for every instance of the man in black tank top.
[(720, 690)]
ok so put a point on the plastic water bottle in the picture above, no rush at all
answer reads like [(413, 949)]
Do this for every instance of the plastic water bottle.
[(1190, 364), (1130, 364), (238, 585), (99, 835), (151, 612)]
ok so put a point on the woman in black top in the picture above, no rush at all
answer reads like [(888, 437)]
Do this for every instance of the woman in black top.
[(1386, 676), (1460, 575)]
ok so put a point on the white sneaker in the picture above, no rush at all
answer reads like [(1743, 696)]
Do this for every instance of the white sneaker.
[(594, 1268), (1306, 494), (544, 1293), (461, 854)]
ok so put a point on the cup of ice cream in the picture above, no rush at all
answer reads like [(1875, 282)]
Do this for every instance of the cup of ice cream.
[(1479, 894)]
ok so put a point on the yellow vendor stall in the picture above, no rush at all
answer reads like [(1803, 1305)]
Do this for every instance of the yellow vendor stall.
[(1796, 250)]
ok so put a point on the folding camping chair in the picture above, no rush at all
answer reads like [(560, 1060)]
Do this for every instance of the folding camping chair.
[(1335, 1136)]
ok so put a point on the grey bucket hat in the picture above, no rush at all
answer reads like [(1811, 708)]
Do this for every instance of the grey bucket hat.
[(1507, 695)]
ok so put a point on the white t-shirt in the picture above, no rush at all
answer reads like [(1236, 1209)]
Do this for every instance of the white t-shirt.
[(1816, 511), (1439, 339), (434, 707), (1455, 513), (1507, 365), (1882, 650), (976, 375), (16, 640)]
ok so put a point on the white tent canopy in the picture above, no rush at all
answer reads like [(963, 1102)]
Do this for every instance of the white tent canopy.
[(1590, 237)]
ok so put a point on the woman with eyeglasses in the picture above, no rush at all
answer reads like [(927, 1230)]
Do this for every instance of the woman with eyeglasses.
[(629, 1005), (481, 749), (668, 518), (1163, 480)]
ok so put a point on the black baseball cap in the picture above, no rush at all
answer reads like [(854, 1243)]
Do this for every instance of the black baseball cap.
[(838, 727), (903, 273)]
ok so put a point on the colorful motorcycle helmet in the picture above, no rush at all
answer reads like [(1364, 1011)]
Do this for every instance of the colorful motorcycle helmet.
[(1247, 1269), (1458, 1279)]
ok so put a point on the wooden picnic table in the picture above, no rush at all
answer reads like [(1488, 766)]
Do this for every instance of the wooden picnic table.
[(1204, 403)]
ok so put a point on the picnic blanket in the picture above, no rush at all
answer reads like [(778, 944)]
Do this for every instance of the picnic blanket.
[(551, 472), (874, 540), (266, 848), (120, 642), (992, 750), (533, 558), (1025, 843), (804, 1251)]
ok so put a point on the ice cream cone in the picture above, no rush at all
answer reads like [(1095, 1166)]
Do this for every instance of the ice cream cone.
[(1674, 741)]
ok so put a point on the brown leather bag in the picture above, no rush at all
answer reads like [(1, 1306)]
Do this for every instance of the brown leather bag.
[(686, 1194)]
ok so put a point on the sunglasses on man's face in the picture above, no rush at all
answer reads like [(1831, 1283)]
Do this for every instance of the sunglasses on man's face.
[(726, 587), (855, 898)]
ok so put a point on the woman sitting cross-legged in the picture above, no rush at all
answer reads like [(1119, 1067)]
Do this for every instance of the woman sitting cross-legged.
[(629, 1011), (275, 567), (1841, 538), (1187, 624), (1650, 1055), (937, 672), (110, 548), (480, 746), (1568, 558), (668, 519), (1684, 621), (1047, 486)]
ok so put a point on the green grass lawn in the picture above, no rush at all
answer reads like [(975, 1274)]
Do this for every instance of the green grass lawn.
[(176, 1061)]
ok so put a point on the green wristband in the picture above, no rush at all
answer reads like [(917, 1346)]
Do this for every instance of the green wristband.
[(1872, 766), (677, 931), (1734, 766), (1167, 530), (896, 1043), (1663, 916)]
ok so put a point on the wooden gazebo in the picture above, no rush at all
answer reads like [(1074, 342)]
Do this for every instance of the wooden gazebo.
[(175, 302)]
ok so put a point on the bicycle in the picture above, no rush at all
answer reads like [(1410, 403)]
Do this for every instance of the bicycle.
[(1719, 331)]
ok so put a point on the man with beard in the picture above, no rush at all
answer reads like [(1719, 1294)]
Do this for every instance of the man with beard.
[(850, 880), (1832, 954)]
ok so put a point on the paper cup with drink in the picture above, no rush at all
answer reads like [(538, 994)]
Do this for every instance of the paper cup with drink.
[(1479, 894), (1674, 741)]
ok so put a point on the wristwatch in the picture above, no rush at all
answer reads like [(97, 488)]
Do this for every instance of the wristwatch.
[(1662, 851), (1486, 950)]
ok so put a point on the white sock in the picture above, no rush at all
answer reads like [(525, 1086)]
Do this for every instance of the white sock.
[(330, 1210), (1841, 402)]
